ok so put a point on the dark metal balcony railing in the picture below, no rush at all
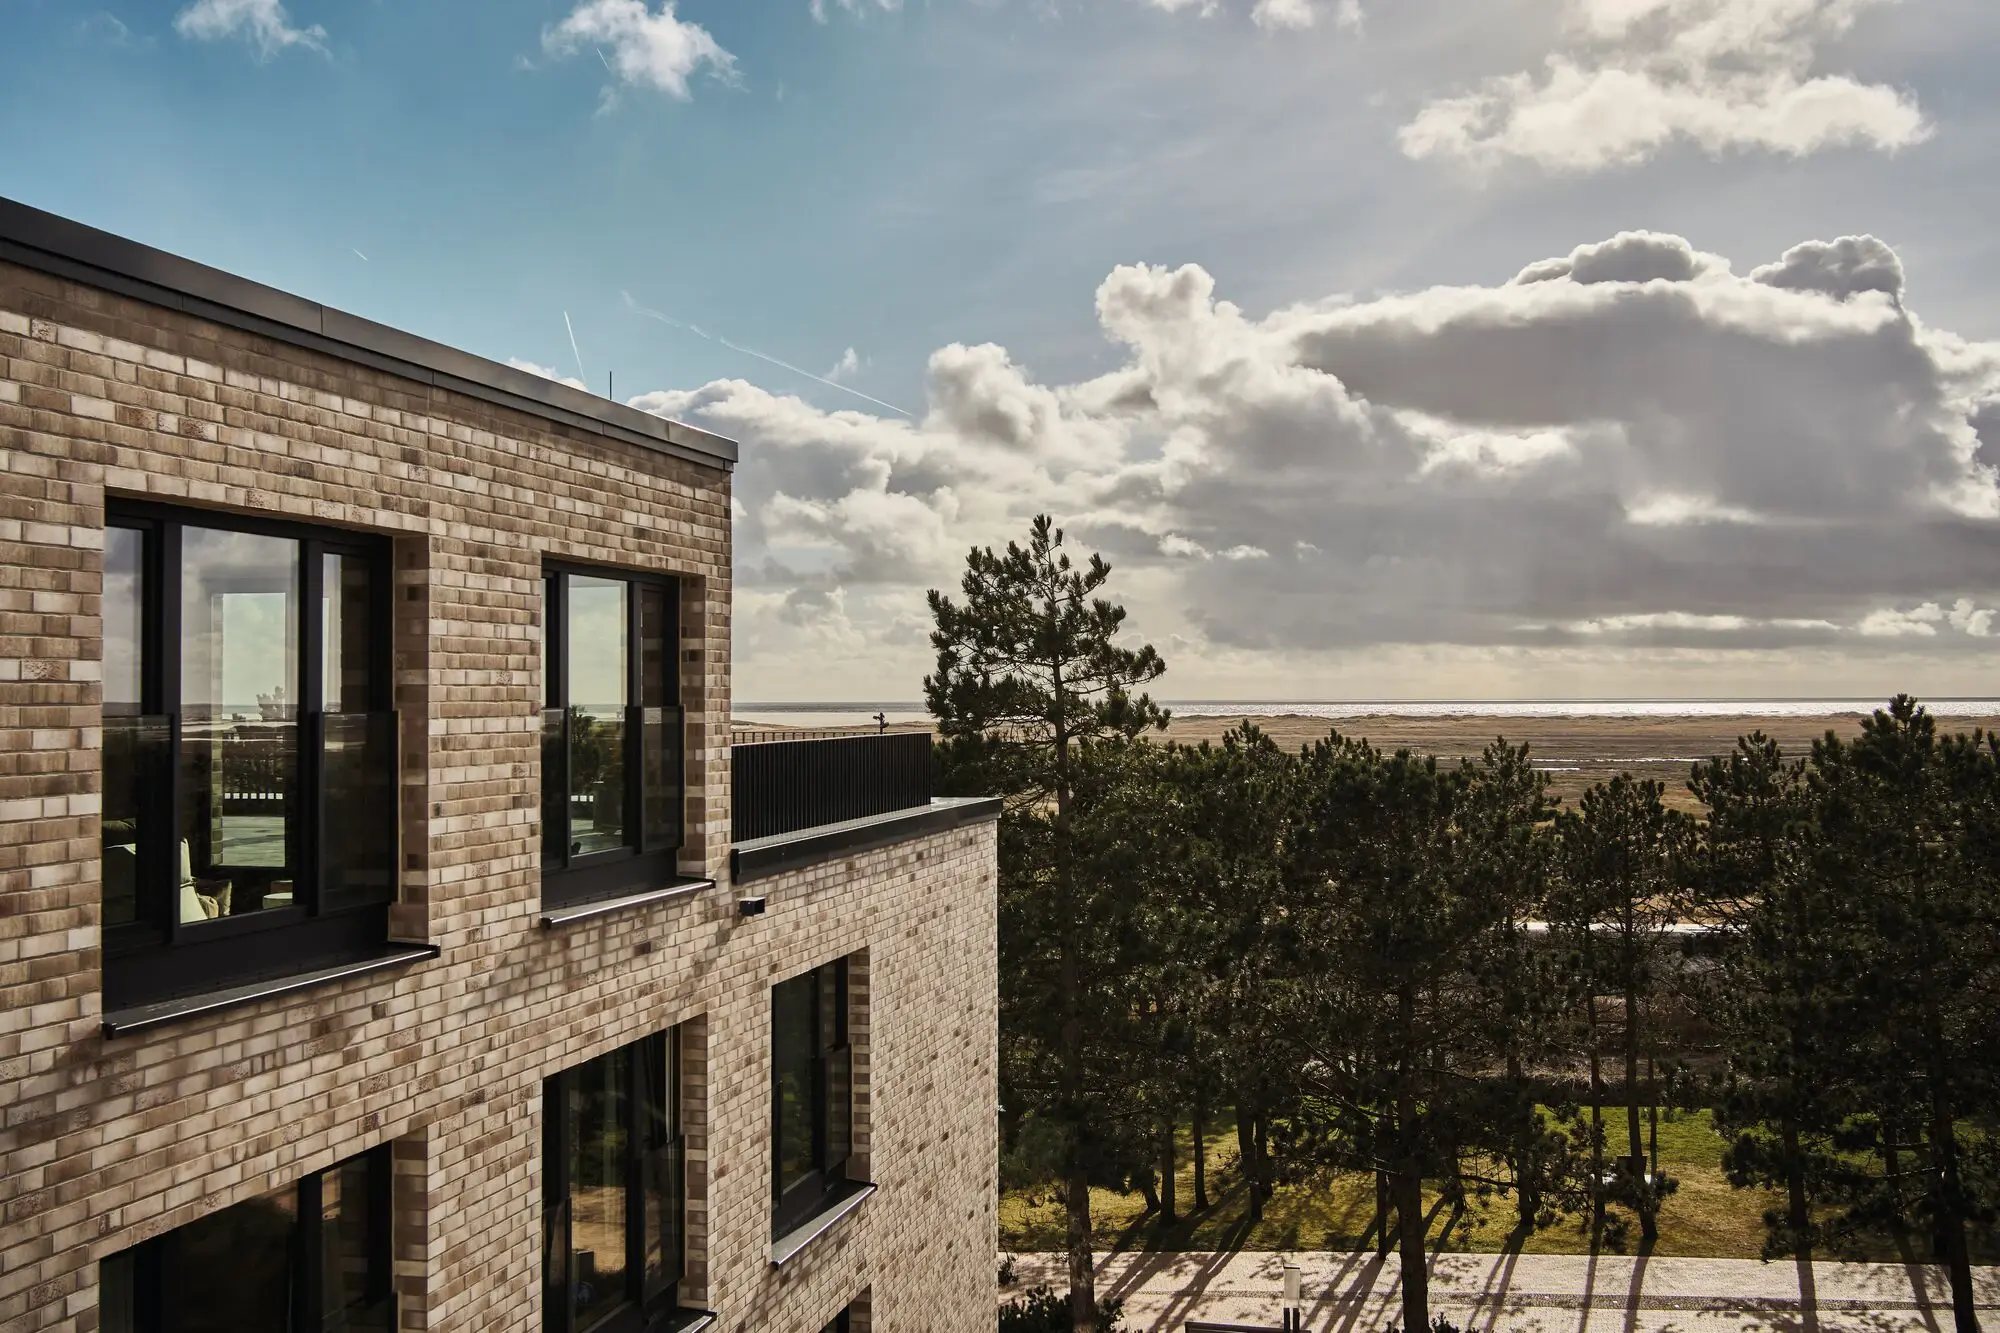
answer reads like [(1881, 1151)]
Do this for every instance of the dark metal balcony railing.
[(784, 786)]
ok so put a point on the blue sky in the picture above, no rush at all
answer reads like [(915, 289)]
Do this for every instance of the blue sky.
[(903, 181)]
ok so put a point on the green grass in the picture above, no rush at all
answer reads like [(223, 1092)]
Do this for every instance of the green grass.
[(1704, 1218)]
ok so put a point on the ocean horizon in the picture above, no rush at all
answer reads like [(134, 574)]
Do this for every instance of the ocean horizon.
[(823, 714)]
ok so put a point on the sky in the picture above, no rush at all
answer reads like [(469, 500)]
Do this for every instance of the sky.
[(1526, 349)]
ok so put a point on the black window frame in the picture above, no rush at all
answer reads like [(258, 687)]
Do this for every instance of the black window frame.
[(650, 1307), (152, 1277), (643, 862), (158, 956), (832, 1064)]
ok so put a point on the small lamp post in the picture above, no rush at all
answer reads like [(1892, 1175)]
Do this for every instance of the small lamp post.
[(1295, 1318)]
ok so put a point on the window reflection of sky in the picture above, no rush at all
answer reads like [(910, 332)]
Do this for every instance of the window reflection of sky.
[(239, 621), (596, 642)]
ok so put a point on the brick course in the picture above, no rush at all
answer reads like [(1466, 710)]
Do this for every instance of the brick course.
[(108, 1142)]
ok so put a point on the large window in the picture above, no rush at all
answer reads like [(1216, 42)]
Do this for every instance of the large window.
[(611, 733), (614, 1168), (812, 1094), (249, 816), (314, 1257)]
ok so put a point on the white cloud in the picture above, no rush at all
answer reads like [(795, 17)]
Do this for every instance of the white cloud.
[(1271, 15), (1631, 449), (1638, 75), (844, 368), (858, 8), (264, 23), (546, 372), (648, 48), (1888, 623)]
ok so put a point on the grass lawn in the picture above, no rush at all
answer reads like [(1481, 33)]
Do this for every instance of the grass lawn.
[(1704, 1218)]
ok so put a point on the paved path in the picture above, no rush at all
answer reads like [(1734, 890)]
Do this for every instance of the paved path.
[(1533, 1293)]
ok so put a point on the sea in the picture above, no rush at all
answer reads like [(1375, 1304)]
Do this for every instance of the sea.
[(833, 715)]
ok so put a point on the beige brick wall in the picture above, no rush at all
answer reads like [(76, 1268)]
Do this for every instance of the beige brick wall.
[(106, 1143)]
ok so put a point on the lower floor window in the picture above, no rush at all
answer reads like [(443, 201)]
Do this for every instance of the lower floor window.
[(312, 1256), (613, 1168), (842, 1322)]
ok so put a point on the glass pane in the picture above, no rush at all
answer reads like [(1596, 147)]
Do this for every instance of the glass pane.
[(345, 605), (839, 1107), (124, 602), (656, 648), (596, 779), (659, 1060), (792, 1057), (555, 1258), (353, 1251), (115, 1312), (138, 761), (231, 1272), (596, 662), (358, 775), (599, 1154), (239, 722), (660, 753), (555, 787), (660, 720)]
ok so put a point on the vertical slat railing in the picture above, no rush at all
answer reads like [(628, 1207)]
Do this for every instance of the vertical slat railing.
[(784, 786)]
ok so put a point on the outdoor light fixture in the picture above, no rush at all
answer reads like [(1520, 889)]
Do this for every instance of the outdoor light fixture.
[(750, 907), (1295, 1319)]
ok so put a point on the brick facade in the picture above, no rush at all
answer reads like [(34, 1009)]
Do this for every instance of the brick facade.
[(107, 1142)]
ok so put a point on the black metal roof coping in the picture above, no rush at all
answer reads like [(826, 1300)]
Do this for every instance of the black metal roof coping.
[(143, 1017), (47, 243), (755, 858)]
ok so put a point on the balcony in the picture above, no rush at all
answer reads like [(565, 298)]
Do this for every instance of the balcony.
[(796, 802)]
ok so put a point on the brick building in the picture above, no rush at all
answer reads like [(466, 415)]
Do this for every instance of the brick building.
[(390, 936)]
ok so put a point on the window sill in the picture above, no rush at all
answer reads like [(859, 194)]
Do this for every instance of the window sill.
[(810, 1230), (573, 913), (141, 1018), (685, 1321), (758, 857)]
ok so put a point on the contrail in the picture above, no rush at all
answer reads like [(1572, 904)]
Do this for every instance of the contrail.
[(699, 332), (607, 63), (572, 347), (362, 257)]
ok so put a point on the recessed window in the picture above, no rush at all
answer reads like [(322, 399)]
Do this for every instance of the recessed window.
[(614, 1167), (312, 1256), (841, 1323), (249, 817), (812, 1094), (611, 734)]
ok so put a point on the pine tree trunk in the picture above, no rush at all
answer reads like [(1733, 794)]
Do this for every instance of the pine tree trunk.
[(1951, 1213), (1246, 1153), (1383, 1241), (1148, 1189), (1082, 1268), (1169, 1186), (1200, 1153), (1409, 1182), (1596, 1110), (1260, 1126), (1796, 1215)]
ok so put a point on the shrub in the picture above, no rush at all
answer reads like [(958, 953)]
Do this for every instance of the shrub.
[(1043, 1311)]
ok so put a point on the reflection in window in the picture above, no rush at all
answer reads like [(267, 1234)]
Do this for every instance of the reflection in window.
[(812, 1111), (611, 734), (250, 753), (239, 721), (313, 1256), (612, 1190)]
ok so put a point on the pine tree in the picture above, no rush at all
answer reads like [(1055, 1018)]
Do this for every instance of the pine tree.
[(1029, 680)]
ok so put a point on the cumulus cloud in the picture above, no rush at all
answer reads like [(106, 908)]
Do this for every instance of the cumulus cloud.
[(1635, 76), (1271, 15), (849, 363), (857, 8), (648, 48), (263, 23), (1631, 448), (546, 372)]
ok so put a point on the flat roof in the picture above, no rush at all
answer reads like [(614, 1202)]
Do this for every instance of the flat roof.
[(47, 243)]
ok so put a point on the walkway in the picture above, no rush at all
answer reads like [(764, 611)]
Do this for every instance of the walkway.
[(1533, 1293)]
